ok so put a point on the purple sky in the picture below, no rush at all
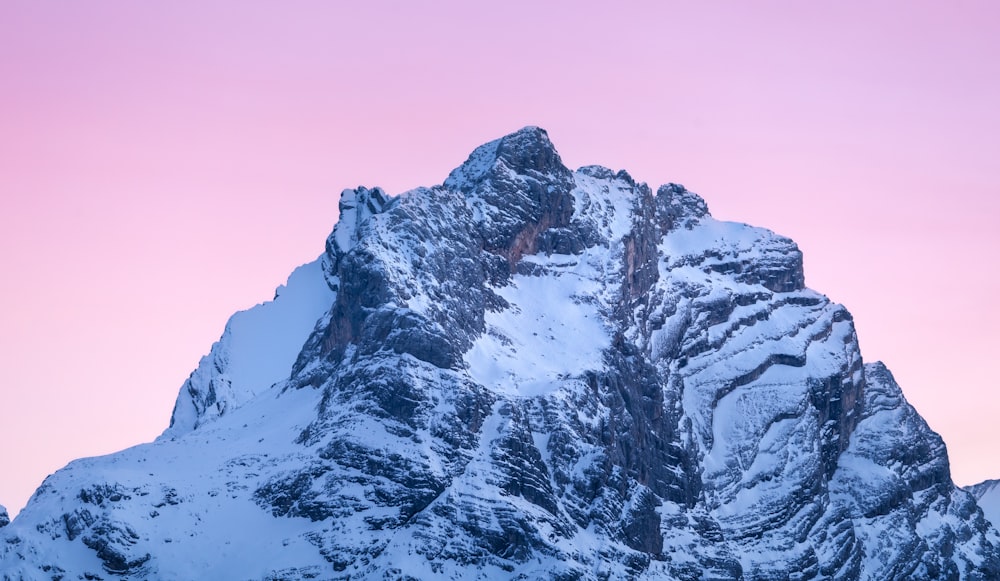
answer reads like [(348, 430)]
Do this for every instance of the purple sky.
[(162, 166)]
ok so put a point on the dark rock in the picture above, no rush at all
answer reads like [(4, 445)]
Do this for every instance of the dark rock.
[(114, 544)]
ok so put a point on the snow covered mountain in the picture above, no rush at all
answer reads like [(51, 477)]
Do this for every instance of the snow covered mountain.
[(988, 497), (525, 373)]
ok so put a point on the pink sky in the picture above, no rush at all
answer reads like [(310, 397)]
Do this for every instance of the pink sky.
[(162, 166)]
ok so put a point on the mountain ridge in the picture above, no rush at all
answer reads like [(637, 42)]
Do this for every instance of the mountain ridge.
[(987, 495), (526, 372)]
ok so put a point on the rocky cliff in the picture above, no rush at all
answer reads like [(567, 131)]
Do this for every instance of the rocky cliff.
[(526, 372)]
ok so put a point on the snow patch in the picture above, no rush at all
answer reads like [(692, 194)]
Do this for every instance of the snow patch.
[(525, 351)]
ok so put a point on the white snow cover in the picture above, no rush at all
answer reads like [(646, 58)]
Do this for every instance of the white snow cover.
[(988, 497), (256, 350), (525, 350), (990, 503), (205, 477)]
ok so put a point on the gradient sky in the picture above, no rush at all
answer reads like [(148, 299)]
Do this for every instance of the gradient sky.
[(163, 165)]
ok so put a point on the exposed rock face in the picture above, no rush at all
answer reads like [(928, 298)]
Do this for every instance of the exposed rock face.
[(532, 373), (4, 519)]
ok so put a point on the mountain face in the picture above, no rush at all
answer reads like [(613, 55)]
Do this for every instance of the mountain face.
[(526, 372), (987, 495)]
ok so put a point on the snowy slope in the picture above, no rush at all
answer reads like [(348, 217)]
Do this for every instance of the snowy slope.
[(987, 495), (525, 372), (257, 350)]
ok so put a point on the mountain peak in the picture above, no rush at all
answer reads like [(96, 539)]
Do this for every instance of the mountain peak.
[(527, 151), (492, 378)]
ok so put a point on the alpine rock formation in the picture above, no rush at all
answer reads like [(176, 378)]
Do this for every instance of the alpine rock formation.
[(526, 372)]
